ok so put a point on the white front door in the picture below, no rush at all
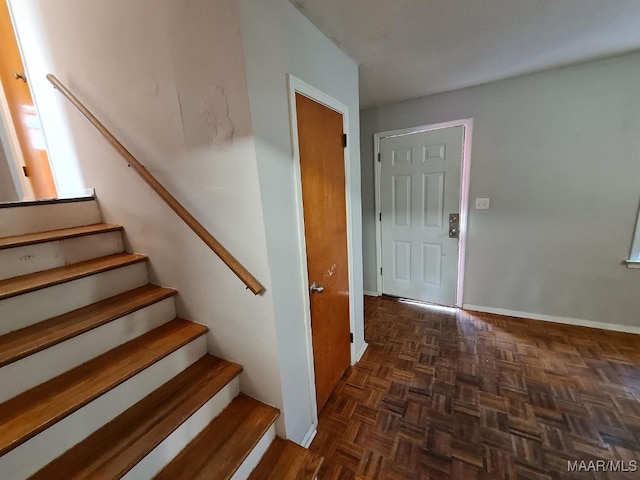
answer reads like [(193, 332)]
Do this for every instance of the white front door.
[(419, 189)]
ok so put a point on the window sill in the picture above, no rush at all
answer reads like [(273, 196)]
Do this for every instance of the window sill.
[(632, 263)]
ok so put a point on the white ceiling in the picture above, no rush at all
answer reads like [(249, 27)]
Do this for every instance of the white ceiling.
[(410, 48)]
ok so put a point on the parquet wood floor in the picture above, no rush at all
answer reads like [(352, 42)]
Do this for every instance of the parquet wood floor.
[(464, 396)]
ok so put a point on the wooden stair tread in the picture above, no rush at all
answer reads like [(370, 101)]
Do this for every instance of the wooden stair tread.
[(32, 411), (35, 281), (286, 460), (62, 234), (34, 338), (218, 451), (114, 449)]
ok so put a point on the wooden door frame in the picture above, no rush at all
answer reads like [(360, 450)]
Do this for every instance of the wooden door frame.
[(467, 124), (295, 85)]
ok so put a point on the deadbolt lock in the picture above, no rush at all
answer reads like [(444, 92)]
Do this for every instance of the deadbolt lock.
[(454, 225)]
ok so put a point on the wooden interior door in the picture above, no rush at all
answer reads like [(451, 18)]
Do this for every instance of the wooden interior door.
[(322, 171), (22, 111)]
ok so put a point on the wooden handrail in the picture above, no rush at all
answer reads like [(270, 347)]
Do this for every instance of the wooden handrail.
[(237, 268)]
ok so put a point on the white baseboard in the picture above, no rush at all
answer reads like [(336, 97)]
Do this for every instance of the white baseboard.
[(550, 318), (371, 294), (309, 436), (361, 352)]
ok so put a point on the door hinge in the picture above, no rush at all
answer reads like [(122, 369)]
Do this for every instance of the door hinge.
[(351, 337), (344, 140), (25, 170), (380, 216), (380, 270), (379, 157)]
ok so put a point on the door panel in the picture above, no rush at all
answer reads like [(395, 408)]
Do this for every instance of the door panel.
[(419, 188), (402, 261), (432, 200), (432, 264), (322, 171), (402, 201), (23, 113)]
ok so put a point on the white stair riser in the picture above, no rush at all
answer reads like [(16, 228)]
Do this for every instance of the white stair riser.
[(159, 457), (252, 460), (33, 307), (44, 218), (34, 454), (35, 369), (43, 256)]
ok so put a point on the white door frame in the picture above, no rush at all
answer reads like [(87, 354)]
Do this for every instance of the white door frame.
[(298, 86), (467, 124)]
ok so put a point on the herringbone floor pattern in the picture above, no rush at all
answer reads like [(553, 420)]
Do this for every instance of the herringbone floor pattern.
[(442, 395)]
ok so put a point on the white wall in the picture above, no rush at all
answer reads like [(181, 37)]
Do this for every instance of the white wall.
[(278, 40), (558, 153), (168, 79)]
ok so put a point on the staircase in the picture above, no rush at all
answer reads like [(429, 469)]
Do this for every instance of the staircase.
[(98, 376)]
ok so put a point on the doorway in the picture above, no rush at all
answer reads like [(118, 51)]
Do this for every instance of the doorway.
[(421, 204), (20, 117), (324, 211)]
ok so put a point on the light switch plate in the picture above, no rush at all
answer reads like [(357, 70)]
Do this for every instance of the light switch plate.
[(482, 203)]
